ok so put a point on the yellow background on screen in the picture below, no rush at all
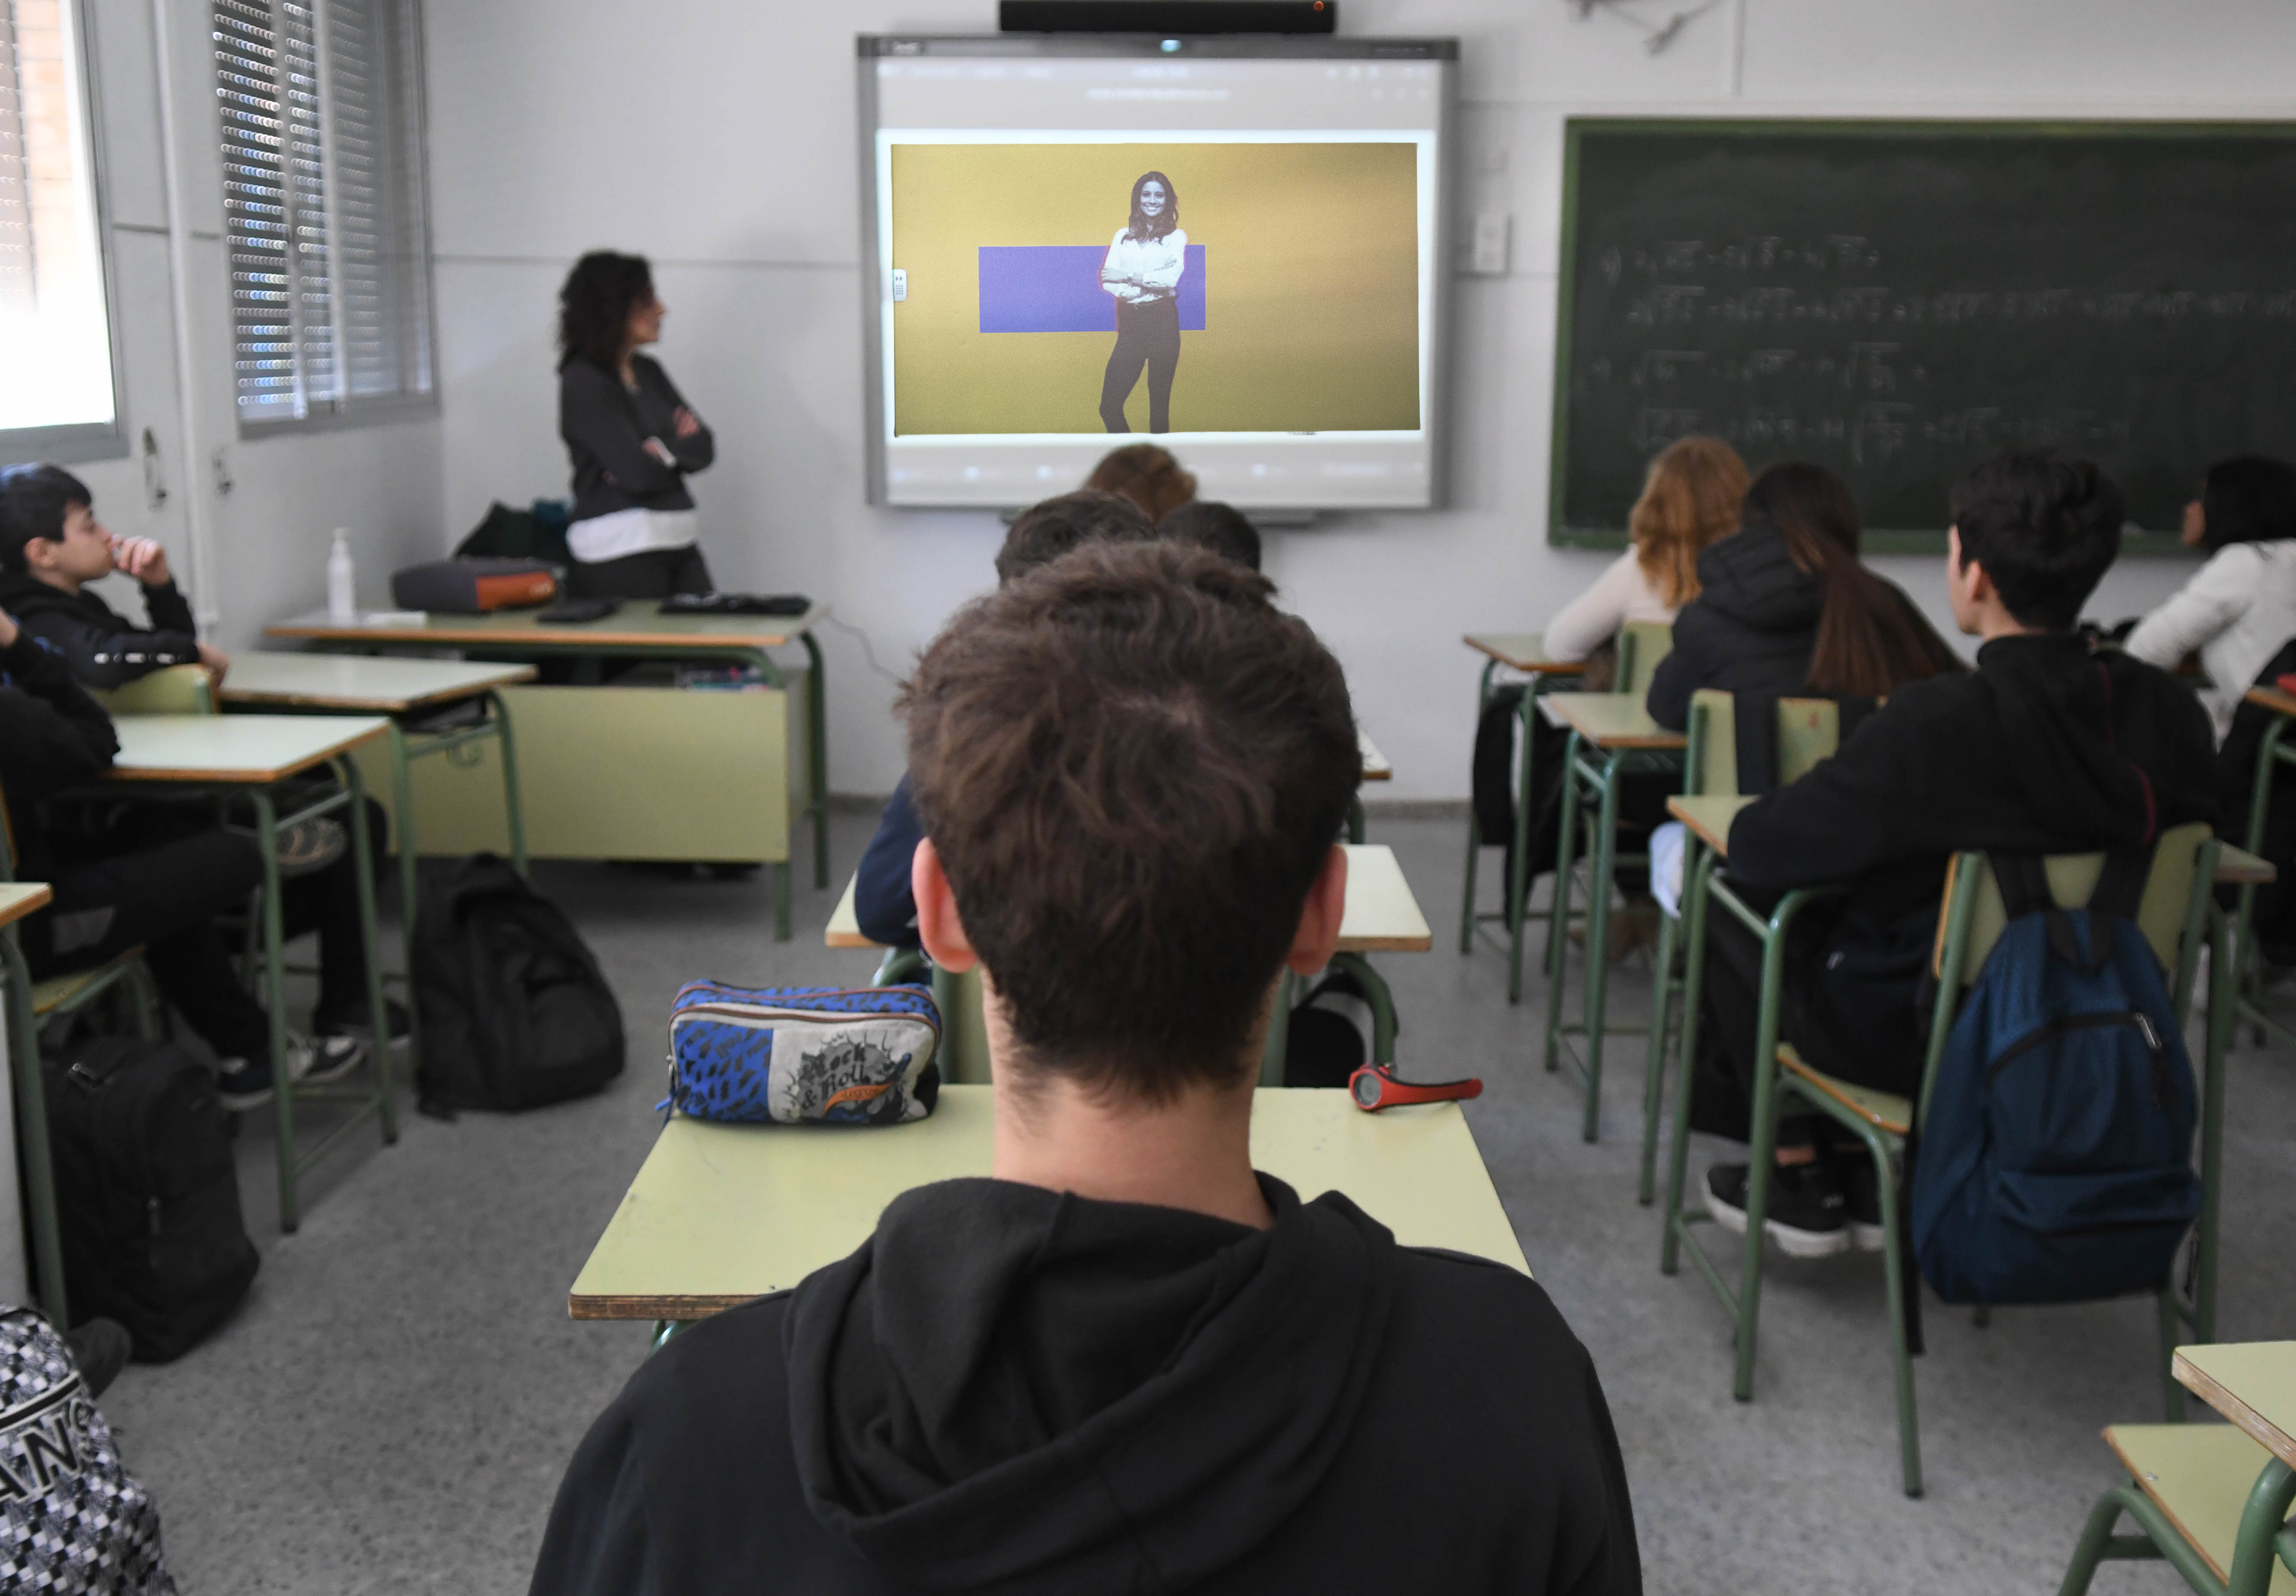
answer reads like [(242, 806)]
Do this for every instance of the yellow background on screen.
[(1311, 275)]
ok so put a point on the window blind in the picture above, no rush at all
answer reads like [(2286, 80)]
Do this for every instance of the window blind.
[(321, 125)]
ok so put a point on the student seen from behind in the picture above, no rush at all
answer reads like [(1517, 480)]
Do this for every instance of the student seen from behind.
[(1125, 1361), (53, 549), (1690, 498), (1147, 475), (2239, 609), (2045, 748), (1786, 608), (883, 906)]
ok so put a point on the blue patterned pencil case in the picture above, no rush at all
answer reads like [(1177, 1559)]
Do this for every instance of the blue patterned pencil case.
[(789, 1055)]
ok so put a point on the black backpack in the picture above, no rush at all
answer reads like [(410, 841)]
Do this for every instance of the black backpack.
[(147, 1194), (514, 1012)]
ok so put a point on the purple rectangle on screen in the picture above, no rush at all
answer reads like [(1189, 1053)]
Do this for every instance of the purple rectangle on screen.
[(1056, 288)]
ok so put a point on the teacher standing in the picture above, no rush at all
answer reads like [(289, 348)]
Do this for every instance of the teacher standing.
[(631, 435), (1141, 273)]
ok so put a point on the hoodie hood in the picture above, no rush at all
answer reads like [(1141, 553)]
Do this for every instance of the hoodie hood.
[(1750, 578), (22, 594), (1047, 1393), (2068, 715)]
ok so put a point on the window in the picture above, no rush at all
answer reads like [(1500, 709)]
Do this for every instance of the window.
[(323, 207), (57, 388)]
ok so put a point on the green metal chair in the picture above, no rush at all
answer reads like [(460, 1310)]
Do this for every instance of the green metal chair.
[(963, 1056), (2176, 914), (2207, 1498), (2274, 752), (175, 689), (1588, 833), (1809, 730), (1516, 913)]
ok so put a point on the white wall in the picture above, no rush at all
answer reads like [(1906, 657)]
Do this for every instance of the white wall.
[(718, 136), (269, 536)]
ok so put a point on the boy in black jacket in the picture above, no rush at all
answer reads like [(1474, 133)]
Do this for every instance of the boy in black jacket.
[(1126, 1362), (113, 892), (52, 546), (2045, 748)]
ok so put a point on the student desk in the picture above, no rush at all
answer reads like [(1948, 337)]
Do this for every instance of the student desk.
[(1708, 819), (1524, 652), (1375, 768), (2274, 752), (1611, 736), (722, 1213), (248, 756), (1381, 916), (2212, 1499), (364, 684), (632, 773), (18, 899)]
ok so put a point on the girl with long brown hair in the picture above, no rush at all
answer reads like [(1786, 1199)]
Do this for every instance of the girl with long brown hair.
[(1690, 499), (1786, 608)]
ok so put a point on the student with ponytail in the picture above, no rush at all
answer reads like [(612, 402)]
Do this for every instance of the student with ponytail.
[(1786, 608)]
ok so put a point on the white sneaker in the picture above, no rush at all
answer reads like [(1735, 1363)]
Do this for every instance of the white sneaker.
[(322, 1058)]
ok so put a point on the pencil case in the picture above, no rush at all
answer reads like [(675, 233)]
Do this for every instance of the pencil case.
[(473, 586), (792, 1054)]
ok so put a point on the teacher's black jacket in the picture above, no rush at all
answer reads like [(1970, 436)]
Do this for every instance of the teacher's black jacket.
[(606, 426), (1010, 1389)]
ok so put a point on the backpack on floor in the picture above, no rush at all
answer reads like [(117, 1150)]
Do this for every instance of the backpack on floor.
[(147, 1192), (513, 1009), (72, 1518), (2056, 1162)]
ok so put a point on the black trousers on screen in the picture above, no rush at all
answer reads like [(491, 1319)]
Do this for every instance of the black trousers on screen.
[(1149, 333)]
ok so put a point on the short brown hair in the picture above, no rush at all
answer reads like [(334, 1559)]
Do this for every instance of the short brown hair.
[(1692, 497), (1046, 531), (1133, 766), (1222, 529), (1147, 475)]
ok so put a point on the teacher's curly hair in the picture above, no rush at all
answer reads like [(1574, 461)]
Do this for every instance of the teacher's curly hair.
[(594, 305), (1143, 227)]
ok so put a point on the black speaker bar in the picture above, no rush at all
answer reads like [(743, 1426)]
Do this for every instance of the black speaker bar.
[(1168, 18)]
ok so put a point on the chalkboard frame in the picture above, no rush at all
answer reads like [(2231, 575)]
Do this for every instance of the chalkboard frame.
[(1575, 129)]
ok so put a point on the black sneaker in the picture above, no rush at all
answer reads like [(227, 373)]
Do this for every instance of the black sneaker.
[(352, 1021), (318, 1059), (1863, 1194), (243, 1084), (100, 1347), (1806, 1208)]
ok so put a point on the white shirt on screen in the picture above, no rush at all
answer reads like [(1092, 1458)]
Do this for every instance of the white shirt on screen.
[(1621, 594), (1140, 271)]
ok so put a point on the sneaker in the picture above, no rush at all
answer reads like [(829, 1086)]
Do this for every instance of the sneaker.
[(307, 845), (1805, 1207), (352, 1021), (100, 1347), (1862, 1191), (242, 1084), (318, 1059)]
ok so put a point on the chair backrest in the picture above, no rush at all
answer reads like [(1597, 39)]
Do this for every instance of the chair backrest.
[(1642, 644), (173, 690), (1809, 731), (2169, 914)]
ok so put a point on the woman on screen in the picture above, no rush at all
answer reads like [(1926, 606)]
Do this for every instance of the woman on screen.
[(631, 435), (1141, 273)]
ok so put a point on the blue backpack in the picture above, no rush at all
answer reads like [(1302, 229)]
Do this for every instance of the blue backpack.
[(2056, 1162)]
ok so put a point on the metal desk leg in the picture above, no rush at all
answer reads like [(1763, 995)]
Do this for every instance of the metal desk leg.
[(402, 798), (817, 710), (514, 804), (2221, 1021), (1381, 1002), (362, 872), (274, 994), (1558, 925), (1279, 1031), (32, 1132), (1598, 943), (1518, 885), (1356, 819)]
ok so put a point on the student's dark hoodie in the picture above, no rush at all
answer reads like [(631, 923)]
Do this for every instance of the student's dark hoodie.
[(103, 648), (2045, 748), (52, 736), (1010, 1389), (1750, 630)]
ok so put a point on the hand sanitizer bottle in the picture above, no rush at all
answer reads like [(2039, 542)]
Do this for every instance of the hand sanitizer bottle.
[(342, 581)]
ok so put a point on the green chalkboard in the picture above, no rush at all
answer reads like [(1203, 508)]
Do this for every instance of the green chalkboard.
[(1898, 300)]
